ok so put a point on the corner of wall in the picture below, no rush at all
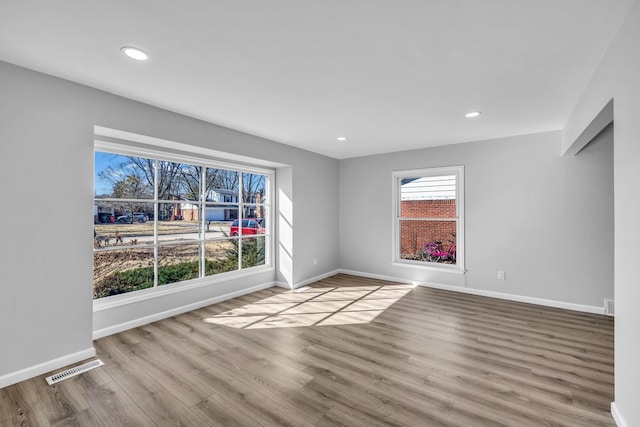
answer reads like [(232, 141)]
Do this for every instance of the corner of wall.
[(599, 122)]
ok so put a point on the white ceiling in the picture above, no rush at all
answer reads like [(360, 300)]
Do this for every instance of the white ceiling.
[(389, 75)]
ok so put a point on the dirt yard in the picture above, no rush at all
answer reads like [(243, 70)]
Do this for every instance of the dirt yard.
[(134, 247)]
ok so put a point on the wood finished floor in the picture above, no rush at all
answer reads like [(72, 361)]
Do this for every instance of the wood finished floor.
[(421, 357)]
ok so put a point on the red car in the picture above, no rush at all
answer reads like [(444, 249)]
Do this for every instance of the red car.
[(249, 226)]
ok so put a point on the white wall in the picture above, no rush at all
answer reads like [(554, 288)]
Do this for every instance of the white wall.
[(545, 219), (46, 147), (618, 77)]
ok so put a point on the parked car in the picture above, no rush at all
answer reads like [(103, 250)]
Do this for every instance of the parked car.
[(249, 226), (129, 219), (104, 218)]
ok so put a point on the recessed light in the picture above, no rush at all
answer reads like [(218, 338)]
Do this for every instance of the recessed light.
[(134, 53), (341, 138), (472, 114)]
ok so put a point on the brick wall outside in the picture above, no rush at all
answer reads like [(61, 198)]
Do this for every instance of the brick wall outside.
[(188, 214), (413, 234), (428, 208)]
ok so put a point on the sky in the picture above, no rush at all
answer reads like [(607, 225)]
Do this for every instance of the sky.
[(117, 163), (102, 162)]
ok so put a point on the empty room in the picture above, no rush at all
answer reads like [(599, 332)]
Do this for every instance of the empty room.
[(319, 213)]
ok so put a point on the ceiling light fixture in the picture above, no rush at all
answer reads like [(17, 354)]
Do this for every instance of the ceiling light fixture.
[(134, 53), (341, 138), (472, 114)]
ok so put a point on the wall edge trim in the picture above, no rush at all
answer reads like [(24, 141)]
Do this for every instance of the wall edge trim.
[(484, 293), (603, 119), (617, 416)]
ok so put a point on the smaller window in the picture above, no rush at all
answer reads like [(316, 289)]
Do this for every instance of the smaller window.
[(428, 217)]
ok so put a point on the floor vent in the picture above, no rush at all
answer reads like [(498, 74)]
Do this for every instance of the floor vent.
[(53, 379), (609, 307)]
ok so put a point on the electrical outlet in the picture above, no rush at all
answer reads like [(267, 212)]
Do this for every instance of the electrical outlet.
[(502, 275), (315, 261)]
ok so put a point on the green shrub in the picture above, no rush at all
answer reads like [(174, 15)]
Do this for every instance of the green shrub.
[(178, 272), (121, 282)]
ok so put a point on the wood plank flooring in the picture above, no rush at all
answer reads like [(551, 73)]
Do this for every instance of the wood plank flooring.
[(348, 351)]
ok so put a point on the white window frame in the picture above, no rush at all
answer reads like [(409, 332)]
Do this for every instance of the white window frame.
[(398, 176), (196, 158)]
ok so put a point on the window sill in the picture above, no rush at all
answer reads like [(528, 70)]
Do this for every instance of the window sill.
[(147, 294), (421, 266)]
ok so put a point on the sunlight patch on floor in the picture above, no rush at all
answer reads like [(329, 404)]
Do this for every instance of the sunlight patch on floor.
[(349, 305)]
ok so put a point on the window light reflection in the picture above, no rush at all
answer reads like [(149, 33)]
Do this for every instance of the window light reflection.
[(349, 305)]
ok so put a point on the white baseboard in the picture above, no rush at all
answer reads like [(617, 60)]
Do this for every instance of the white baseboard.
[(617, 417), (307, 281), (485, 293), (100, 333), (43, 368)]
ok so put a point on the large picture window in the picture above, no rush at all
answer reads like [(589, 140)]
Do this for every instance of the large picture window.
[(160, 220), (428, 212)]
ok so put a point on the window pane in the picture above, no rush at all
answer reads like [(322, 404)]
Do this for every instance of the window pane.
[(183, 211), (166, 211), (253, 251), (120, 271), (428, 197), (222, 185), (110, 235), (173, 231), (178, 221), (104, 212), (179, 181), (221, 212), (221, 256), (253, 188), (431, 241), (219, 219), (257, 213), (127, 225), (188, 211), (133, 212), (123, 177), (177, 263)]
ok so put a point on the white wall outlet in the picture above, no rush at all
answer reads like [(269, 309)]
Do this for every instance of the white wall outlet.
[(502, 275), (315, 261)]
